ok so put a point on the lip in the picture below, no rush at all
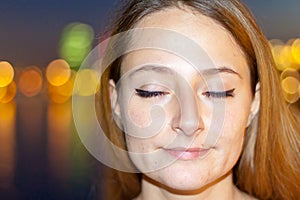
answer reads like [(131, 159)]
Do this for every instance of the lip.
[(187, 153)]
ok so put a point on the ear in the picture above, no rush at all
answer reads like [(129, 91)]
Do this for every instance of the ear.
[(255, 104), (115, 106)]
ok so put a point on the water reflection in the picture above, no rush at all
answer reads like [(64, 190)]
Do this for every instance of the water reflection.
[(41, 155), (59, 140), (7, 144)]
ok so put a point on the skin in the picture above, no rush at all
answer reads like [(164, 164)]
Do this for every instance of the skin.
[(188, 111)]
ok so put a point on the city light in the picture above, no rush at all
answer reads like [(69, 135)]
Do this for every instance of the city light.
[(10, 93), (58, 72), (86, 82), (30, 81), (63, 77), (287, 57), (6, 73), (290, 87), (61, 94), (296, 50), (75, 44)]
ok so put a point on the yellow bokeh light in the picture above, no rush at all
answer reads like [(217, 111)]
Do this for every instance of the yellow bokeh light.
[(10, 93), (276, 52), (86, 82), (289, 72), (30, 81), (296, 50), (6, 73), (283, 57), (287, 58), (290, 86), (276, 42), (58, 72)]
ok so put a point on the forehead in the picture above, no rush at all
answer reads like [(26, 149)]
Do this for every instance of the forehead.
[(215, 40)]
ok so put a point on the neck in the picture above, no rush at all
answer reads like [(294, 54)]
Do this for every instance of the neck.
[(222, 189)]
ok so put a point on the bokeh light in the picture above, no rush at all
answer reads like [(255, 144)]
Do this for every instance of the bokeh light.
[(76, 42), (296, 50), (276, 42), (290, 87), (276, 51), (10, 93), (2, 91), (30, 81), (61, 94), (58, 72), (86, 82), (6, 73), (289, 72), (287, 59)]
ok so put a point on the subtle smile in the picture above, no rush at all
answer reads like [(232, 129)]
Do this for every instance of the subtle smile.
[(187, 153)]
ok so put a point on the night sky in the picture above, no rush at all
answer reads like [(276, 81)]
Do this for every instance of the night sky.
[(30, 29)]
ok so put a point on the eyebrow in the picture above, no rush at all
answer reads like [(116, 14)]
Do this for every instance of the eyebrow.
[(158, 69), (223, 69), (166, 70)]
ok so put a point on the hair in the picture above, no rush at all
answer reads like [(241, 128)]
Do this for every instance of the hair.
[(269, 166)]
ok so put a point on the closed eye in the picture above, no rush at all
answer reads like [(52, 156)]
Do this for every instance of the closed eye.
[(149, 94), (222, 94)]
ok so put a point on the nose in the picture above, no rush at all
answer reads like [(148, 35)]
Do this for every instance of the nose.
[(187, 119)]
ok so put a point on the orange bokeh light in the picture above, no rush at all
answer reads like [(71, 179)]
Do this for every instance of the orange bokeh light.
[(61, 94), (10, 93), (6, 73), (58, 72), (30, 81), (2, 91)]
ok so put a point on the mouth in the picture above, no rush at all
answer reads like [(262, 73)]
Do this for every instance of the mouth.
[(187, 153)]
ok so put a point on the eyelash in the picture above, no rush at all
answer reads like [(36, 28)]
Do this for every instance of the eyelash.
[(223, 94), (209, 94), (149, 94)]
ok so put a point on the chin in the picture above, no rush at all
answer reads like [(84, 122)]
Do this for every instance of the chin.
[(182, 180)]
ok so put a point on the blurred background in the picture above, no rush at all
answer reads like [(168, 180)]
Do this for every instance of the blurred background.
[(42, 44)]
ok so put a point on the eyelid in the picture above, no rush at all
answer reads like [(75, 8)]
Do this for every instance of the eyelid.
[(219, 94), (153, 87), (148, 93)]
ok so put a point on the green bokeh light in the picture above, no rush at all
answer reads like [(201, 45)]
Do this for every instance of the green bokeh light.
[(76, 42)]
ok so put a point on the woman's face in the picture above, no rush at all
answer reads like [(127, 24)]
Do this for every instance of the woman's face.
[(184, 101)]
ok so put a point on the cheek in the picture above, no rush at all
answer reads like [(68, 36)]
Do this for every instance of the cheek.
[(136, 113), (134, 145), (139, 118), (235, 123), (232, 138)]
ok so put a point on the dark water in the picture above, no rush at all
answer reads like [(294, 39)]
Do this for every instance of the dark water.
[(41, 155)]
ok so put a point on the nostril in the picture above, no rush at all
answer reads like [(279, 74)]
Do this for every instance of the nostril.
[(177, 130), (188, 129)]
